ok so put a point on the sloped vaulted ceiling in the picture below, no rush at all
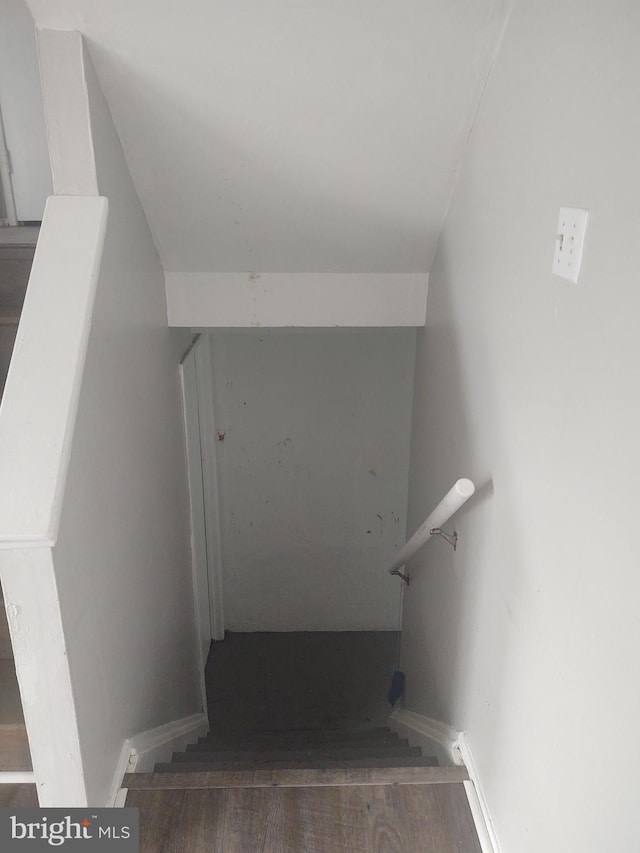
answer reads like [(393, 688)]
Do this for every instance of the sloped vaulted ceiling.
[(289, 135)]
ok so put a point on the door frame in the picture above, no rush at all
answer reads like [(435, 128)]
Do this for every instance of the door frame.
[(5, 178), (199, 421)]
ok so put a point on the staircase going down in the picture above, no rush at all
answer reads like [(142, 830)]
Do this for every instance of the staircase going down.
[(352, 786), (311, 750)]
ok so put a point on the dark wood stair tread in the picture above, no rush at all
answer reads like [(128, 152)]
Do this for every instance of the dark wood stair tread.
[(315, 735), (335, 752), (308, 764), (411, 818), (292, 778), (285, 741)]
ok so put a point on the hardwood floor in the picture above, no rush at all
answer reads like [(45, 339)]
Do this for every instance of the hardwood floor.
[(14, 745), (10, 704), (389, 818), (15, 266), (14, 748), (18, 796)]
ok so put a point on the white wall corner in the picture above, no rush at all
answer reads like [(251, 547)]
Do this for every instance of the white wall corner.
[(66, 108), (426, 298)]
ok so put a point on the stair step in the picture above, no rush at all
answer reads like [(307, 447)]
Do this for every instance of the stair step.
[(285, 741), (295, 778), (333, 752), (300, 735), (288, 746), (308, 764)]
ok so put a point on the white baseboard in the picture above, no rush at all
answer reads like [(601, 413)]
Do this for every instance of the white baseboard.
[(158, 744), (17, 777), (122, 767), (121, 798), (477, 801), (450, 747), (432, 736), (140, 753)]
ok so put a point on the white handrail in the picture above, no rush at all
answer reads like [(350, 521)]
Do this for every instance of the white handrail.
[(457, 495)]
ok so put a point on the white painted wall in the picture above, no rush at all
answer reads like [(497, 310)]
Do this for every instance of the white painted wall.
[(312, 474), (21, 106), (528, 637), (287, 136), (110, 634), (125, 588), (239, 300)]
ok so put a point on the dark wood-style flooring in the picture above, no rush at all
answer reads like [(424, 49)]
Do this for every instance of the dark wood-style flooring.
[(14, 745), (15, 267), (373, 819), (300, 680)]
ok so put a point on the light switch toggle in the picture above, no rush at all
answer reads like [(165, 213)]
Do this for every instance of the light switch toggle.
[(567, 256)]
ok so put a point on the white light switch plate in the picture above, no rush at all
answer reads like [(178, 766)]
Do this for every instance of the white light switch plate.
[(572, 225)]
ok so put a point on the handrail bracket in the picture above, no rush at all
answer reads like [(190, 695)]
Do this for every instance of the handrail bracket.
[(404, 578), (451, 538)]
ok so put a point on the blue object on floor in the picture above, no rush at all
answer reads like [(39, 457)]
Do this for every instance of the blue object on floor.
[(396, 687)]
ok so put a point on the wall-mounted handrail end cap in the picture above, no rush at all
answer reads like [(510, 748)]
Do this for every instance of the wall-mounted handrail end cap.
[(465, 487)]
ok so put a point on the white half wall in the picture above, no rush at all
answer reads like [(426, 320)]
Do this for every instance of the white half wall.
[(528, 637), (120, 604), (35, 444), (37, 427), (237, 300), (312, 445)]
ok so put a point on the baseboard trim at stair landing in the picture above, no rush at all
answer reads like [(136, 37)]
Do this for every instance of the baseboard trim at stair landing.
[(450, 747), (17, 777), (432, 736), (477, 801), (140, 753)]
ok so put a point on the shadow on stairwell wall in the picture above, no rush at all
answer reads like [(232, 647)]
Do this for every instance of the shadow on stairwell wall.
[(445, 608), (221, 203)]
